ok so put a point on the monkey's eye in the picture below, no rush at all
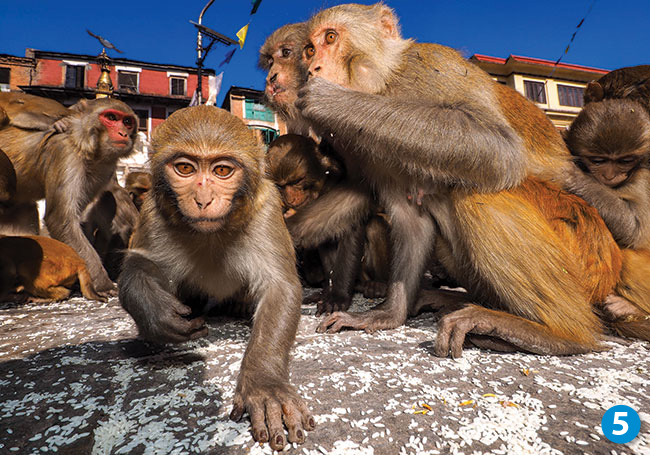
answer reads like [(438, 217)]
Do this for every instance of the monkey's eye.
[(223, 170), (597, 160), (128, 121), (627, 160), (184, 168), (110, 116), (330, 36), (310, 51), (286, 52)]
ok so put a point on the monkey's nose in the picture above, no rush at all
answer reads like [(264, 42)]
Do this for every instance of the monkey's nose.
[(202, 204)]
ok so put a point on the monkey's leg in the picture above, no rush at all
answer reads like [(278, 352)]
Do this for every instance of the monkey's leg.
[(512, 258), (342, 277), (412, 236), (159, 315)]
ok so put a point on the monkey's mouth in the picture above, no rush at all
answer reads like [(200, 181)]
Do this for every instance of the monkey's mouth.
[(274, 90), (205, 224), (121, 142)]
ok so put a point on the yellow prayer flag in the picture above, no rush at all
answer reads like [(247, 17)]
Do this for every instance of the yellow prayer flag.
[(241, 34)]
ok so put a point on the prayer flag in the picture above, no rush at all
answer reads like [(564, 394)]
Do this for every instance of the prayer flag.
[(241, 34)]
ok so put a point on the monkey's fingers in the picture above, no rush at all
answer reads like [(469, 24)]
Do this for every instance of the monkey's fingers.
[(277, 439), (338, 320)]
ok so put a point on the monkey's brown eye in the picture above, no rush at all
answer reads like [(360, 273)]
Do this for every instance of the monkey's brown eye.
[(184, 168), (223, 170), (128, 122), (330, 37), (596, 160), (286, 52), (627, 160), (110, 116), (310, 51)]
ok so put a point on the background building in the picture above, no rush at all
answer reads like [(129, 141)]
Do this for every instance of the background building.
[(247, 104), (557, 90), (152, 90)]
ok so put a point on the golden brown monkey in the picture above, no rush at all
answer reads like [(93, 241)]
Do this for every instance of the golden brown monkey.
[(489, 163), (212, 226), (138, 184), (45, 267), (335, 222), (610, 142), (68, 165)]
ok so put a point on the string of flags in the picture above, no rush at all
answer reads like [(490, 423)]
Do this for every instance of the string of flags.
[(241, 34)]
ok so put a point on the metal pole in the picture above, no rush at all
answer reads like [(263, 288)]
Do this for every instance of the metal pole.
[(199, 49)]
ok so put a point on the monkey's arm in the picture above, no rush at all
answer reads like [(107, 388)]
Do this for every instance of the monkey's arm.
[(460, 143), (159, 315), (63, 221), (263, 387), (330, 216), (620, 216)]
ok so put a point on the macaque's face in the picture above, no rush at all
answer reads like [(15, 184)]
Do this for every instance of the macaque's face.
[(120, 128), (283, 77), (205, 187), (323, 55), (611, 170)]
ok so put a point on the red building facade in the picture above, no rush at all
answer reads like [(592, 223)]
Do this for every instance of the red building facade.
[(152, 90)]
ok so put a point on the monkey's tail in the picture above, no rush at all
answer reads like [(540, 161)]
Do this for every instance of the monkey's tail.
[(86, 285)]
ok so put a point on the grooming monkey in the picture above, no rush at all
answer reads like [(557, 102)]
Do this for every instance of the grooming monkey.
[(632, 83), (212, 226), (68, 164), (489, 163), (610, 142)]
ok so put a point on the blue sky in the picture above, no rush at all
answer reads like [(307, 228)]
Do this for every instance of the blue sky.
[(615, 34)]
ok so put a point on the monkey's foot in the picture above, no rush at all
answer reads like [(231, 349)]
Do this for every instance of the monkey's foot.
[(504, 332), (370, 321), (268, 406)]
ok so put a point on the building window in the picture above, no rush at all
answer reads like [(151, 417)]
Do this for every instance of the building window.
[(257, 111), (570, 95), (127, 81), (177, 85), (74, 76), (535, 91), (143, 119), (4, 79), (267, 134)]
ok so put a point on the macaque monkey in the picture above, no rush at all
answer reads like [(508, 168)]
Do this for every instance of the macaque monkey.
[(632, 82), (610, 142), (108, 223), (45, 267), (212, 226), (303, 174), (338, 217), (68, 165), (30, 112), (138, 184), (488, 165)]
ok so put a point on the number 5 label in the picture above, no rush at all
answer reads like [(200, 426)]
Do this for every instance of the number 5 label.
[(621, 424)]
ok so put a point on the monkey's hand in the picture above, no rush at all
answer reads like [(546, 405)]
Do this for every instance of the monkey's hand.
[(316, 100), (159, 315), (269, 402)]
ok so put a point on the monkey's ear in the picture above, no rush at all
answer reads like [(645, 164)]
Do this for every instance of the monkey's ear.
[(594, 92), (389, 22), (79, 106)]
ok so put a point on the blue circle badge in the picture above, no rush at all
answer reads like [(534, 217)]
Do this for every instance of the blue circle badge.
[(621, 424)]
